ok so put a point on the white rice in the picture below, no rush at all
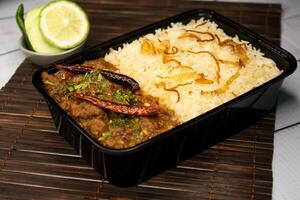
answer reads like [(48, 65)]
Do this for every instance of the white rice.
[(148, 69)]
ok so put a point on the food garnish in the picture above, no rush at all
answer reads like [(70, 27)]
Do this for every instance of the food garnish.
[(21, 24), (64, 24), (53, 27)]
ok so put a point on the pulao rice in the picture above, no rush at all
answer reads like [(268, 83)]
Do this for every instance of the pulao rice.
[(168, 65)]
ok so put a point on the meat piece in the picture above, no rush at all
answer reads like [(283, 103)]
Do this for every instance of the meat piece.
[(85, 110), (65, 103), (115, 142), (94, 126), (49, 77), (63, 74), (100, 63), (148, 124)]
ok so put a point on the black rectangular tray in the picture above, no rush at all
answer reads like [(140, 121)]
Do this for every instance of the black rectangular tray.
[(127, 167)]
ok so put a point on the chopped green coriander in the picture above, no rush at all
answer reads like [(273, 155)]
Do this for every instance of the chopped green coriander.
[(137, 135), (93, 76), (125, 122), (103, 87), (100, 77), (82, 86), (89, 78), (124, 97), (105, 135), (48, 82), (71, 88), (122, 122)]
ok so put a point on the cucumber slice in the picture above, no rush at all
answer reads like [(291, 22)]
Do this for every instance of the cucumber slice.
[(31, 16), (37, 40)]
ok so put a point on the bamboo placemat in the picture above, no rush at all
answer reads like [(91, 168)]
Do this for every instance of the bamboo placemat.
[(36, 163)]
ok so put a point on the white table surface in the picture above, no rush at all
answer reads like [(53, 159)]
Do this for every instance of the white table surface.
[(286, 159)]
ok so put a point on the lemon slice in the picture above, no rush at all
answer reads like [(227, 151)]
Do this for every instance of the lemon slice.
[(64, 24)]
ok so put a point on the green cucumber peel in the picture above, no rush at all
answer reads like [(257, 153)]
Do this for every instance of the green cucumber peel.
[(20, 22)]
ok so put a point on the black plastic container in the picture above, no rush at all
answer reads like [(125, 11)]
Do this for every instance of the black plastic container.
[(131, 166)]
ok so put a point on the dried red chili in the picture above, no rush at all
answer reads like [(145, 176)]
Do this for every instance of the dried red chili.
[(119, 108)]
